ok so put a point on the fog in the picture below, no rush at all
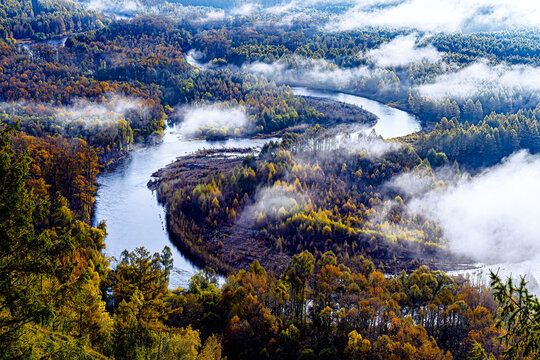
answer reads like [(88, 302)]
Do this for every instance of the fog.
[(338, 148), (210, 16), (196, 118), (302, 5), (110, 111), (481, 78), (309, 72), (440, 15), (247, 9), (491, 217), (403, 51), (400, 52), (472, 81), (269, 201), (343, 15), (82, 111), (359, 141), (373, 146), (117, 7)]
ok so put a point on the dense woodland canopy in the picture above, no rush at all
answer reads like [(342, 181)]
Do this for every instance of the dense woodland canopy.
[(61, 299), (33, 19), (312, 192), (337, 267)]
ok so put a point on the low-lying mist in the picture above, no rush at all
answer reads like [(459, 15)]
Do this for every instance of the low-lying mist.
[(274, 202), (491, 217), (317, 73), (480, 78), (439, 15), (381, 64), (403, 51), (81, 111), (339, 146), (118, 8), (196, 119)]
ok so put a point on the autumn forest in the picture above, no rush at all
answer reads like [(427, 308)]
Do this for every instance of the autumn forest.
[(326, 179)]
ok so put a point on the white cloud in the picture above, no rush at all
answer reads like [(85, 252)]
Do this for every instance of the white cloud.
[(414, 183), (247, 9), (492, 217), (440, 15), (112, 110), (209, 16), (374, 147), (403, 51), (83, 111), (196, 118), (481, 78), (270, 200), (305, 6), (309, 72), (283, 7), (117, 6)]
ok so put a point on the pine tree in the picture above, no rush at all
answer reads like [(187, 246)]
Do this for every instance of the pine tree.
[(519, 316), (25, 256)]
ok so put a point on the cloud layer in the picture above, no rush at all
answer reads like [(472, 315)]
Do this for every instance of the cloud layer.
[(112, 110), (271, 200), (196, 118), (309, 72), (82, 111), (481, 78), (492, 217), (247, 9), (440, 15), (403, 51), (117, 7)]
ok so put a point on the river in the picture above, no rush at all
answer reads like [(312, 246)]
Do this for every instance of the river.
[(134, 218), (392, 122), (131, 211)]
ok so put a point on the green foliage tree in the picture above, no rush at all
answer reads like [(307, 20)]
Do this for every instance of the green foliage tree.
[(519, 316), (296, 277), (26, 255)]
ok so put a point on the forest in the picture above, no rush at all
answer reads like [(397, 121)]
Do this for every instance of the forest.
[(307, 247), (61, 299), (301, 194)]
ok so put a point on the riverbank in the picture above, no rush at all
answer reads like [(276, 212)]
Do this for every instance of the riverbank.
[(201, 242), (328, 113), (135, 218), (230, 243)]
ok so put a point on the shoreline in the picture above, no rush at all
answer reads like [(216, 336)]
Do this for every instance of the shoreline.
[(231, 247)]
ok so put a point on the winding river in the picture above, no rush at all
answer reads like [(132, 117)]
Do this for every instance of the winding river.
[(392, 122), (131, 211), (134, 218)]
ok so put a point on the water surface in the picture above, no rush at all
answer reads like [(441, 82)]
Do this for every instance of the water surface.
[(131, 211), (392, 122), (133, 216)]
